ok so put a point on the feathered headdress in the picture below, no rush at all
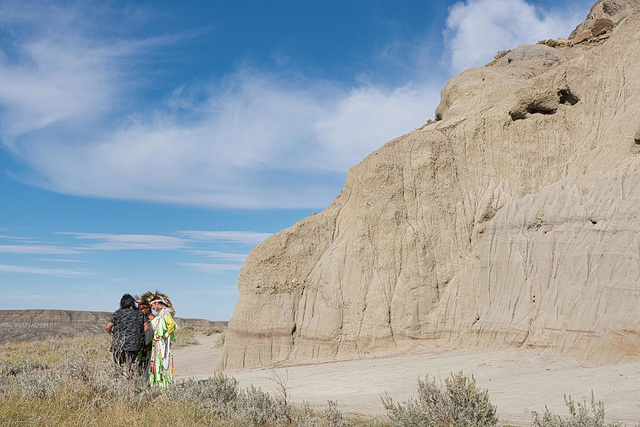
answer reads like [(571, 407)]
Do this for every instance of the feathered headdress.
[(144, 299), (151, 297)]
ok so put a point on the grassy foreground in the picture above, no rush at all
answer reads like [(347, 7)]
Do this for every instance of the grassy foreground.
[(74, 383)]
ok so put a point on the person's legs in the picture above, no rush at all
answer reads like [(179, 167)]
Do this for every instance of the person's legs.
[(130, 363), (140, 358), (146, 359), (119, 361)]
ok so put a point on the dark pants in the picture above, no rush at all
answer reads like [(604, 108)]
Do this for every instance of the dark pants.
[(125, 362), (143, 358)]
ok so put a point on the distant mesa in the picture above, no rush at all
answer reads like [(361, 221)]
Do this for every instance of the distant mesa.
[(512, 220), (18, 326)]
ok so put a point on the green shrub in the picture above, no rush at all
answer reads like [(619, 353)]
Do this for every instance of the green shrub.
[(217, 395), (550, 43), (579, 415), (260, 408), (220, 339), (459, 404), (498, 56), (334, 416)]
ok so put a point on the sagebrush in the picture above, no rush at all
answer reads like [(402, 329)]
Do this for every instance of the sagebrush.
[(580, 415), (459, 403)]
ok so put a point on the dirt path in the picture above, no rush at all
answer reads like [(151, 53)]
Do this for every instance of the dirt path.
[(197, 361), (519, 381)]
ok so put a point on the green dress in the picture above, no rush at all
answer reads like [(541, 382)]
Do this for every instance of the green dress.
[(161, 364)]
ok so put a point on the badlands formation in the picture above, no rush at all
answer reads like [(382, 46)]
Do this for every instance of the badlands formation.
[(511, 221)]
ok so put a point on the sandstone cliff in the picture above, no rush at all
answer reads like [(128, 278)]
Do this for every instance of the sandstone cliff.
[(38, 325), (511, 221)]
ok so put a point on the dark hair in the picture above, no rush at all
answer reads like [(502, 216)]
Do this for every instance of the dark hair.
[(127, 301)]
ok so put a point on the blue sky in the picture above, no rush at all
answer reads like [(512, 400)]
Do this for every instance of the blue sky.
[(152, 144)]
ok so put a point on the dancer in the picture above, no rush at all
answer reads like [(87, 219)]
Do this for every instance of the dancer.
[(164, 327)]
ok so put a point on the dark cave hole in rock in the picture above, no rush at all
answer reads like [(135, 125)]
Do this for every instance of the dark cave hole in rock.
[(537, 110), (567, 98), (535, 107)]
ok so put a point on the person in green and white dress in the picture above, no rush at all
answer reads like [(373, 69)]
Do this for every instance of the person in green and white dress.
[(164, 327)]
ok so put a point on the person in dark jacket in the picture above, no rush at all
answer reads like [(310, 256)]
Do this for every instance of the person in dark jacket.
[(127, 325)]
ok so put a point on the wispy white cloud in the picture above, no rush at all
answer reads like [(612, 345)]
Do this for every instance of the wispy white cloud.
[(212, 268), (246, 237), (62, 82), (72, 114), (52, 74), (226, 256), (115, 242), (368, 117), (43, 271), (201, 243), (2, 236), (477, 29), (37, 249), (258, 142), (253, 139)]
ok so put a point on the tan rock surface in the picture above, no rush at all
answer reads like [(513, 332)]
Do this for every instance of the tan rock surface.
[(584, 35), (511, 222)]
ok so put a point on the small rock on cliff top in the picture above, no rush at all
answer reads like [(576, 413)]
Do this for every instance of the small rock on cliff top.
[(613, 10)]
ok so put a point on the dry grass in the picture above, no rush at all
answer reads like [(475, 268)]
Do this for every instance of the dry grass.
[(73, 407), (188, 335), (53, 351), (73, 383)]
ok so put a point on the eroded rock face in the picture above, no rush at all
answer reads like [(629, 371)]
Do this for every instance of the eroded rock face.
[(513, 220)]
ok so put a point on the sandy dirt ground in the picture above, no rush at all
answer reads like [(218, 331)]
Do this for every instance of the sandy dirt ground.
[(519, 381)]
